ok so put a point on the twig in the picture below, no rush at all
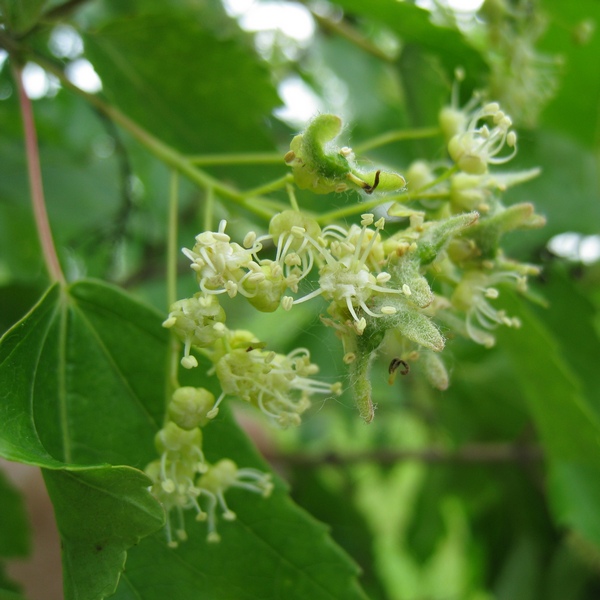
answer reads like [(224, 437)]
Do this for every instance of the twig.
[(471, 454)]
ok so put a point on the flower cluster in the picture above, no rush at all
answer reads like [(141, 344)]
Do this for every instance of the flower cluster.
[(473, 264), (279, 385), (182, 479), (437, 264)]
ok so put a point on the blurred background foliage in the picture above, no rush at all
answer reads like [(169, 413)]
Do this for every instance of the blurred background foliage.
[(489, 490)]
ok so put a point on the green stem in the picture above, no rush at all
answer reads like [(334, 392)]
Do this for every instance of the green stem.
[(343, 29), (35, 183), (209, 209), (172, 239), (348, 211), (258, 158), (420, 194), (292, 196), (272, 186), (396, 136), (172, 234), (172, 382), (361, 386), (445, 175), (274, 205), (162, 151)]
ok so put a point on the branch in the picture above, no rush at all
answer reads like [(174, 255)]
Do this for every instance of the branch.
[(471, 454)]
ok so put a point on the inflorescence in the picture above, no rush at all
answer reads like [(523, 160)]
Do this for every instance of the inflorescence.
[(441, 267)]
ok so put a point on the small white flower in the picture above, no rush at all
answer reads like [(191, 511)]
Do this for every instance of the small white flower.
[(279, 385), (222, 476), (221, 266), (350, 273), (196, 321), (472, 296), (478, 146)]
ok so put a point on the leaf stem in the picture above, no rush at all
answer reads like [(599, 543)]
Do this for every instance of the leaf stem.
[(209, 210), (396, 136), (272, 186), (348, 211), (445, 175), (250, 158), (292, 196), (172, 382), (172, 238), (35, 182), (345, 30)]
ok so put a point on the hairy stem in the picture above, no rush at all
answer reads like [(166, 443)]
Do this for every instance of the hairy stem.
[(35, 183), (361, 386)]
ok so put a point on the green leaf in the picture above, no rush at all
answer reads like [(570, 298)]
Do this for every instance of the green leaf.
[(552, 390), (571, 319), (521, 572), (325, 493), (16, 299), (77, 380), (113, 512), (568, 425), (86, 369), (193, 90), (65, 377), (8, 594)]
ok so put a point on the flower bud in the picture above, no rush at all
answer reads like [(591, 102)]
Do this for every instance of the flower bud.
[(189, 406)]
